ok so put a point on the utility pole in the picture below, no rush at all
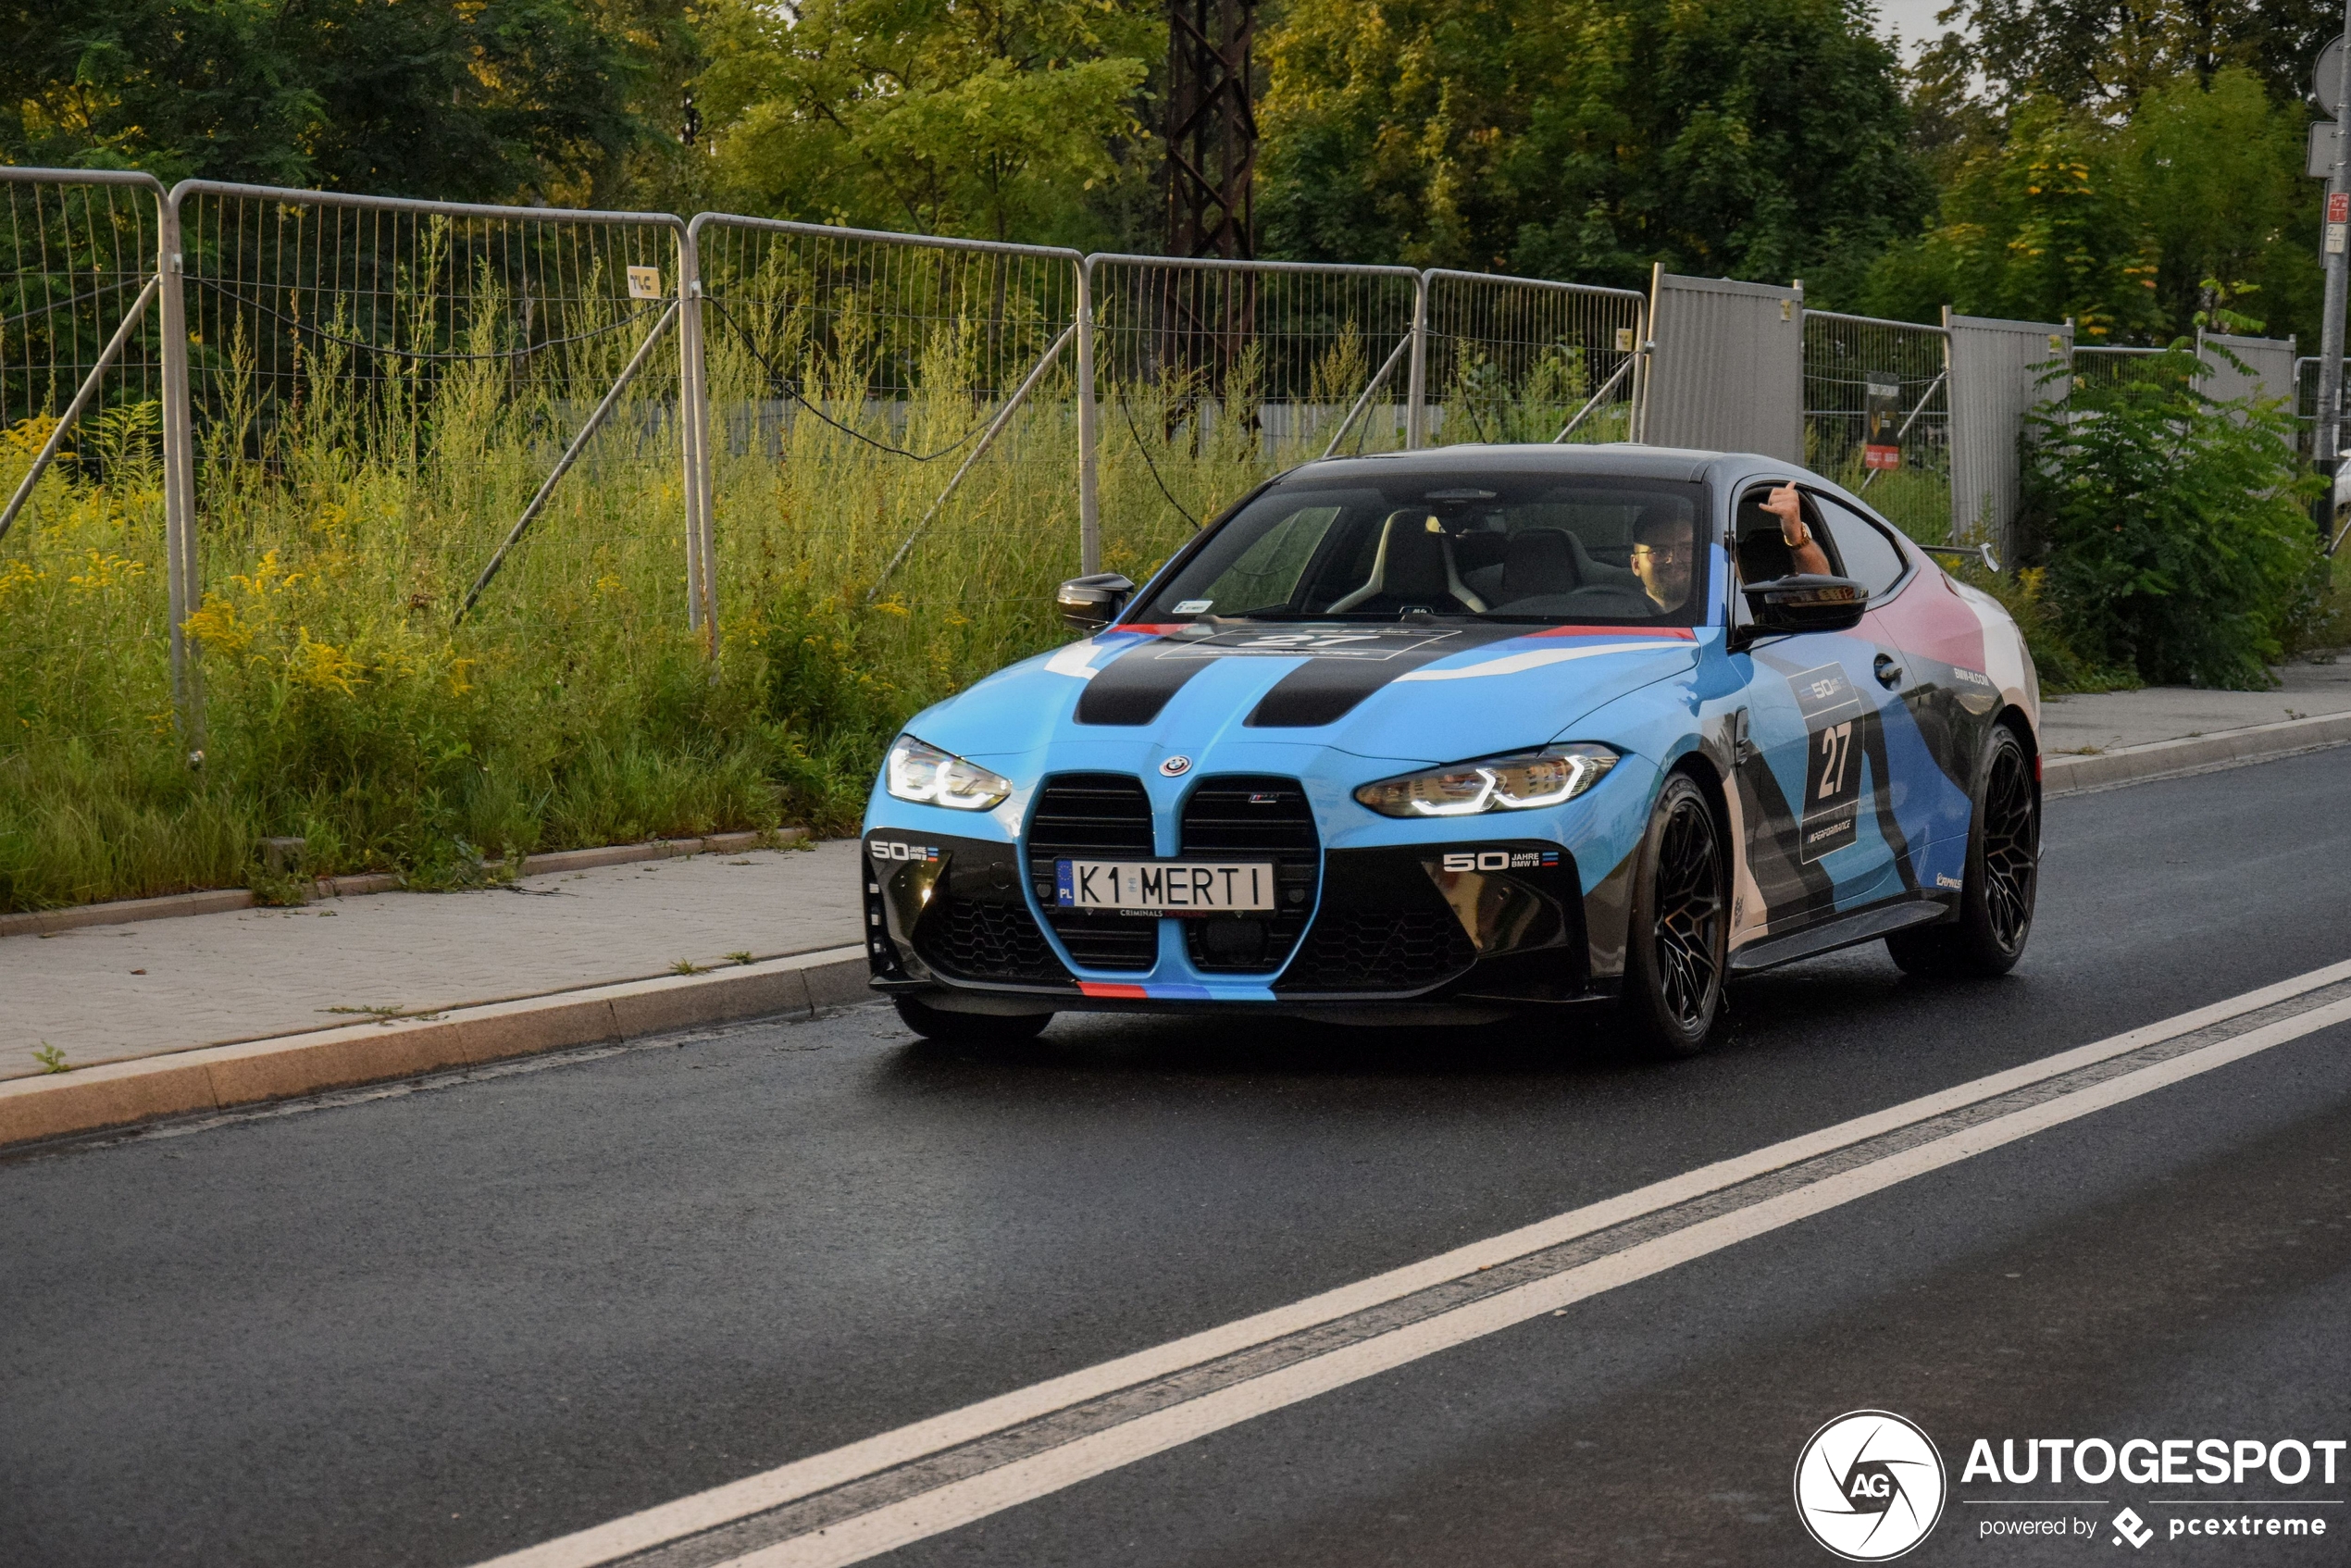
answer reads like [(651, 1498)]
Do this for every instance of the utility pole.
[(1211, 129), (2326, 450)]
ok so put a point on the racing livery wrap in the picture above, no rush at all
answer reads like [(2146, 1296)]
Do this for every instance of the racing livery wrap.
[(1439, 789)]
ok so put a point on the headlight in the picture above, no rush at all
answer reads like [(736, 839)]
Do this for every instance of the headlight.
[(1519, 783), (917, 772)]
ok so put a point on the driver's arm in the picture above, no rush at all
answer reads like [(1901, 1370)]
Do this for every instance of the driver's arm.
[(1788, 507)]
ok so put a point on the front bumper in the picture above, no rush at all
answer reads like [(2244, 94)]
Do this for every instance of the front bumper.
[(1392, 930)]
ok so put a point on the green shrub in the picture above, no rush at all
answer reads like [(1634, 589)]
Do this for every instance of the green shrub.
[(2173, 530)]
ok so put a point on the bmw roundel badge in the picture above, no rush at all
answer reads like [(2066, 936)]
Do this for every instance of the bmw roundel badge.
[(1175, 766)]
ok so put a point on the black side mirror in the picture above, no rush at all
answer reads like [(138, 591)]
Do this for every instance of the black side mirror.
[(1802, 602), (1089, 603)]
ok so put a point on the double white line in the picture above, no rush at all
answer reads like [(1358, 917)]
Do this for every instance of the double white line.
[(881, 1493)]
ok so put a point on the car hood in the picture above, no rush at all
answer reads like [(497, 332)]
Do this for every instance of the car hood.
[(1405, 693)]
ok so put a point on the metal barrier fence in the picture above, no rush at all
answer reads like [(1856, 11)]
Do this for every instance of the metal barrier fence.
[(1211, 373), (89, 336), (847, 399), (1877, 413), (2000, 370), (842, 363), (2097, 366), (1727, 371), (1519, 359), (477, 353)]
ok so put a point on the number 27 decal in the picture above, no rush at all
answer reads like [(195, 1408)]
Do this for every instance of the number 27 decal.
[(1836, 750)]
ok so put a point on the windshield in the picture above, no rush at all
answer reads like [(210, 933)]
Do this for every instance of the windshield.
[(1533, 547)]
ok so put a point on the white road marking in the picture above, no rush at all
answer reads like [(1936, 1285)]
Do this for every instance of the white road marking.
[(1518, 664), (1002, 1485)]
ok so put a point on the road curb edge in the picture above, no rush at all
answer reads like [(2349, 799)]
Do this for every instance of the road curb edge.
[(220, 1077)]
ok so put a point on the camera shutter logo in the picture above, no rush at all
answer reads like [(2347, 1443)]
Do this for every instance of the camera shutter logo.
[(1870, 1486)]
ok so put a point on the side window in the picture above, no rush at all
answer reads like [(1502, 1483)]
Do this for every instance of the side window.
[(1870, 559)]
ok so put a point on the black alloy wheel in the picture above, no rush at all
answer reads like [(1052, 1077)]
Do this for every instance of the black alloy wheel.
[(985, 1030), (1675, 957), (2003, 868)]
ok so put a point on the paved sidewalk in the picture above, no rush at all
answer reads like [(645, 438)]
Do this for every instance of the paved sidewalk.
[(2107, 720), (106, 992)]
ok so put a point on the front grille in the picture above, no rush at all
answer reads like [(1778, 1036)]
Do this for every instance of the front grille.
[(1093, 814), (1238, 818), (985, 941)]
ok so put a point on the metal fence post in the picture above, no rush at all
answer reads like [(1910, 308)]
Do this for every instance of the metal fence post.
[(693, 419), (179, 480), (1416, 380), (1090, 478)]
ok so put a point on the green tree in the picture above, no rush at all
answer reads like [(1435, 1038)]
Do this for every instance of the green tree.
[(2106, 52), (2191, 211), (999, 120), (1586, 139), (491, 99)]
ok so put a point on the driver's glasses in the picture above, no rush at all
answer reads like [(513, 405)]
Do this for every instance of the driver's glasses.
[(1656, 554)]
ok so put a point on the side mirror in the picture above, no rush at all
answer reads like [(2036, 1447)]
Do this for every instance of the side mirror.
[(1089, 603), (1802, 602)]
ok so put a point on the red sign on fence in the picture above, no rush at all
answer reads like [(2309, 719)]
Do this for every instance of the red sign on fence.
[(1881, 457)]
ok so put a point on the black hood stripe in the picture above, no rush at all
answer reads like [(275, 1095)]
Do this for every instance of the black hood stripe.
[(1133, 687), (1323, 691)]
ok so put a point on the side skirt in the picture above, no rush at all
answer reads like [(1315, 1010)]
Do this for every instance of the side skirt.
[(1838, 932)]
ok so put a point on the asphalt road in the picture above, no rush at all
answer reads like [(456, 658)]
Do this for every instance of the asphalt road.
[(432, 1324)]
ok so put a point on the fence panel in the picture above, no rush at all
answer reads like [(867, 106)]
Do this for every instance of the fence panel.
[(94, 533), (1519, 359), (1999, 369), (1727, 374), (2103, 365), (1877, 416), (894, 421), (422, 375), (2269, 367), (1212, 375)]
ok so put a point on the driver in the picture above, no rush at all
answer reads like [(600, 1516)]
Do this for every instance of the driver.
[(1662, 553)]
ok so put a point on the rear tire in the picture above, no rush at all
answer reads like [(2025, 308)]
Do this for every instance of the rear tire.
[(985, 1029), (1676, 940), (2003, 869)]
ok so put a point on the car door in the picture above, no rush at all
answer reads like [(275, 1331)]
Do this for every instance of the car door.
[(1814, 778), (1935, 733)]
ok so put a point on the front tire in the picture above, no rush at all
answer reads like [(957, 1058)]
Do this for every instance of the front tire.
[(987, 1031), (2003, 869), (1677, 939)]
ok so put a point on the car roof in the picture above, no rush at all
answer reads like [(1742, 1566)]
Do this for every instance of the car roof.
[(1624, 459)]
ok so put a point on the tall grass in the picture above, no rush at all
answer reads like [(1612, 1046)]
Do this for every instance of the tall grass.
[(342, 522)]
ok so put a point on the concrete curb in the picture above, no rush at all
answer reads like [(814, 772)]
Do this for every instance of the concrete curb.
[(217, 900), (218, 1076), (2070, 775)]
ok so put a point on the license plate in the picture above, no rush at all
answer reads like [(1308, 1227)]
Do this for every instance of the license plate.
[(1163, 887)]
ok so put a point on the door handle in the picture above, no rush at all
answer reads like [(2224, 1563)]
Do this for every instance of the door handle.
[(1889, 674)]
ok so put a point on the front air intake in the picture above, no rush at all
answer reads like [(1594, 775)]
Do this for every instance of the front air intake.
[(1251, 818), (1093, 816)]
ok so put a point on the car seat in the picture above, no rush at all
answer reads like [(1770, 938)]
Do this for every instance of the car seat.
[(1412, 568)]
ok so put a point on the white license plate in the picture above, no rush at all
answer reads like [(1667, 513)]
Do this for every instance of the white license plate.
[(1163, 887)]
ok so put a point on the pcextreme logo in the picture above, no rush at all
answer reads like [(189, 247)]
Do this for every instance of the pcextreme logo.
[(1870, 1486)]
